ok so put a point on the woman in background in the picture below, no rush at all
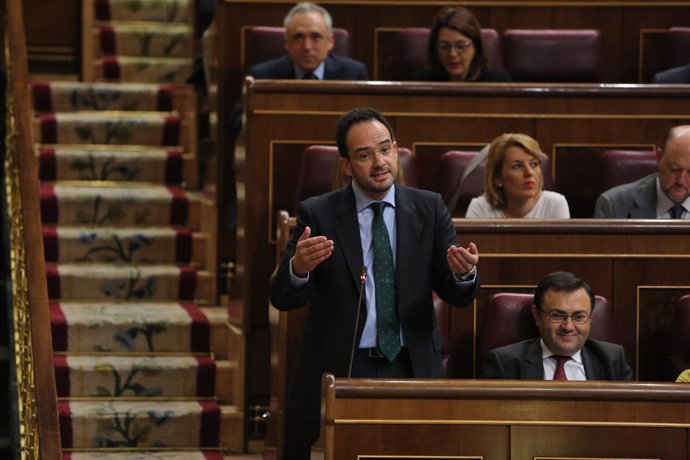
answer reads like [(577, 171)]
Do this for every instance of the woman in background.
[(455, 51), (514, 183)]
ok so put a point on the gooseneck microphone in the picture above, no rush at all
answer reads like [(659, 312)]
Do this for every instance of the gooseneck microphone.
[(362, 280)]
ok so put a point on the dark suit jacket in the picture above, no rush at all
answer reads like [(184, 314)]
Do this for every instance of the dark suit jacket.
[(674, 75), (424, 232), (635, 200), (522, 360), (336, 68)]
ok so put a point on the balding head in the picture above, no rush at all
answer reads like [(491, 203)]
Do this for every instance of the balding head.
[(681, 131)]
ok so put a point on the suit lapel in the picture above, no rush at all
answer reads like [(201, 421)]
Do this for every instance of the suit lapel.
[(645, 202), (409, 230), (347, 232), (594, 368), (285, 70), (534, 366), (331, 69)]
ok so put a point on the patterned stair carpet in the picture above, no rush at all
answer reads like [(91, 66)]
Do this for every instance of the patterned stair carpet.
[(124, 327), (105, 163), (147, 423), (127, 266), (140, 40)]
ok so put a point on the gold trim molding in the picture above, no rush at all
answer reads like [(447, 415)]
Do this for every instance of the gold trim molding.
[(23, 349)]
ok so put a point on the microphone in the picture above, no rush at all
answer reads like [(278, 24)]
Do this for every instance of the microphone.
[(362, 280)]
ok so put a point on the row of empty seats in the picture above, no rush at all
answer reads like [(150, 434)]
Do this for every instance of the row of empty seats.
[(528, 55), (319, 174)]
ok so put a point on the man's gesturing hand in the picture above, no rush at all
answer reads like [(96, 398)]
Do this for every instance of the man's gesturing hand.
[(461, 260), (310, 252)]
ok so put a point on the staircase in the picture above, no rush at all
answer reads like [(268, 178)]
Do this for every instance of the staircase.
[(146, 362)]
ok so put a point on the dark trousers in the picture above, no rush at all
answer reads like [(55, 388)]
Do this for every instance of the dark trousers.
[(302, 432)]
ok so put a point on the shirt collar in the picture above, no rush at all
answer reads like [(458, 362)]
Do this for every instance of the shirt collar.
[(546, 353), (664, 203), (318, 72), (362, 200)]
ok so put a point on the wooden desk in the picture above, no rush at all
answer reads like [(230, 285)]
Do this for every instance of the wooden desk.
[(498, 420)]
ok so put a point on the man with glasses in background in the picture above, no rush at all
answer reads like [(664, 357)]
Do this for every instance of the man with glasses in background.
[(562, 311)]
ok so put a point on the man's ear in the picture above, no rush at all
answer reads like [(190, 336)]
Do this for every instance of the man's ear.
[(535, 314), (331, 42), (345, 166)]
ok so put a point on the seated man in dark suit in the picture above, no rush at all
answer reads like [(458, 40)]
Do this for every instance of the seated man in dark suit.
[(673, 75), (308, 42), (663, 195), (562, 310)]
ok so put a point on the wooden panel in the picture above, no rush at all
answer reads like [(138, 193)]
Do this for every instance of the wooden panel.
[(652, 53), (598, 442), (53, 45), (508, 419)]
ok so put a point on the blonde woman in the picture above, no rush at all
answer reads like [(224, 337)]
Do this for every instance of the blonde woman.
[(514, 183)]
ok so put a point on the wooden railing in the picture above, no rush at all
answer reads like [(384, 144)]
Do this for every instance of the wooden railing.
[(39, 435)]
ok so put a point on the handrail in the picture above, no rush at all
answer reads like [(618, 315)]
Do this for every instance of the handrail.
[(39, 434)]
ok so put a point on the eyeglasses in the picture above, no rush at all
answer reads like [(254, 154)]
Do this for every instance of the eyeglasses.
[(459, 46), (367, 155), (559, 317)]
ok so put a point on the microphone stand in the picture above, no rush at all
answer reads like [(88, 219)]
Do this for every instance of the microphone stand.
[(362, 279)]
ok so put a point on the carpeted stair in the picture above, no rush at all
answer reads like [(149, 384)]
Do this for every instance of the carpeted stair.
[(138, 40), (141, 354)]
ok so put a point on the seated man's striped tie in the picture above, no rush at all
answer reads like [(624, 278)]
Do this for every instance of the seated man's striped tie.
[(559, 373)]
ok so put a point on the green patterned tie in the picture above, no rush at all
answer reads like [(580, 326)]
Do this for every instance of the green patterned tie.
[(387, 328)]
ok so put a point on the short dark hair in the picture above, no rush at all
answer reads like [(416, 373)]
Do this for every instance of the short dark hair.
[(563, 282), (353, 117)]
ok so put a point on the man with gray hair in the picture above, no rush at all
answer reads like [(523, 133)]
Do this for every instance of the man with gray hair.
[(662, 195), (309, 42)]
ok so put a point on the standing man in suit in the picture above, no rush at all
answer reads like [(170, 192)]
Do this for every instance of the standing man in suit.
[(337, 237), (663, 195), (562, 310)]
